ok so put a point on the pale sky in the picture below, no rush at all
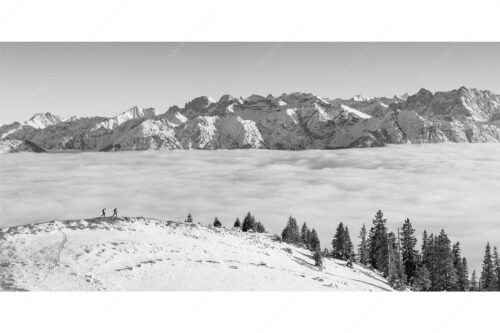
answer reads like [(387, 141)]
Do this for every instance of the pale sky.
[(105, 79)]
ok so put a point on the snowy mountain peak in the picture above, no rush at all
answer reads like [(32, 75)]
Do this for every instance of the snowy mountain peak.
[(42, 120), (361, 98), (134, 112)]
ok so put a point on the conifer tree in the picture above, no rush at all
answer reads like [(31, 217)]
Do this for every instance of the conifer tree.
[(318, 261), (349, 248), (428, 254), (496, 261), (314, 243), (465, 279), (408, 252), (487, 280), (291, 232), (422, 281), (259, 227), (396, 274), (445, 276), (363, 246), (461, 270), (338, 243), (304, 234), (189, 218), (237, 223), (217, 223), (473, 282), (248, 223), (378, 244)]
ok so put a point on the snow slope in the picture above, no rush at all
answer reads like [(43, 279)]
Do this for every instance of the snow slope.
[(107, 254)]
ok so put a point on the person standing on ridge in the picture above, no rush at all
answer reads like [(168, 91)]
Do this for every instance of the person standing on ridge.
[(115, 212), (103, 212)]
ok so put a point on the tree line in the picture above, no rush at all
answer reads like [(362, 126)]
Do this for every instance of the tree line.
[(437, 266)]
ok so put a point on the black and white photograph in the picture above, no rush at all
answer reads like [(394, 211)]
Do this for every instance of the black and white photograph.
[(338, 166)]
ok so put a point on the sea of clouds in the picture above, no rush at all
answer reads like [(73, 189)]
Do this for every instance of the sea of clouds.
[(450, 186)]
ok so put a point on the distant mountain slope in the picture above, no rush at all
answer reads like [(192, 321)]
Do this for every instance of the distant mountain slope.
[(290, 121), (17, 146), (148, 254)]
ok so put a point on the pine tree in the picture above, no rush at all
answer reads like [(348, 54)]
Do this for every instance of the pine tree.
[(217, 223), (408, 252), (237, 223), (248, 223), (291, 232), (314, 243), (304, 234), (396, 274), (259, 227), (473, 282), (465, 278), (428, 254), (496, 261), (422, 281), (338, 243), (378, 245), (363, 246), (349, 248), (445, 277), (189, 218), (458, 263), (488, 273), (318, 261)]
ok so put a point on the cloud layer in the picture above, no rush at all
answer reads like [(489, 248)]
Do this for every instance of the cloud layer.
[(450, 186)]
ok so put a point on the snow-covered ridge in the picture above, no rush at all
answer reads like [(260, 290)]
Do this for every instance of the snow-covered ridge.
[(132, 113), (42, 120), (291, 121), (109, 254)]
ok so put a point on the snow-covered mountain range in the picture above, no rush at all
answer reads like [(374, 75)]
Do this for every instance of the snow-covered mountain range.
[(289, 121), (140, 254)]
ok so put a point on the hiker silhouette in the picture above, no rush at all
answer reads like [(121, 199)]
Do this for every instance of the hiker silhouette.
[(115, 212), (103, 212)]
